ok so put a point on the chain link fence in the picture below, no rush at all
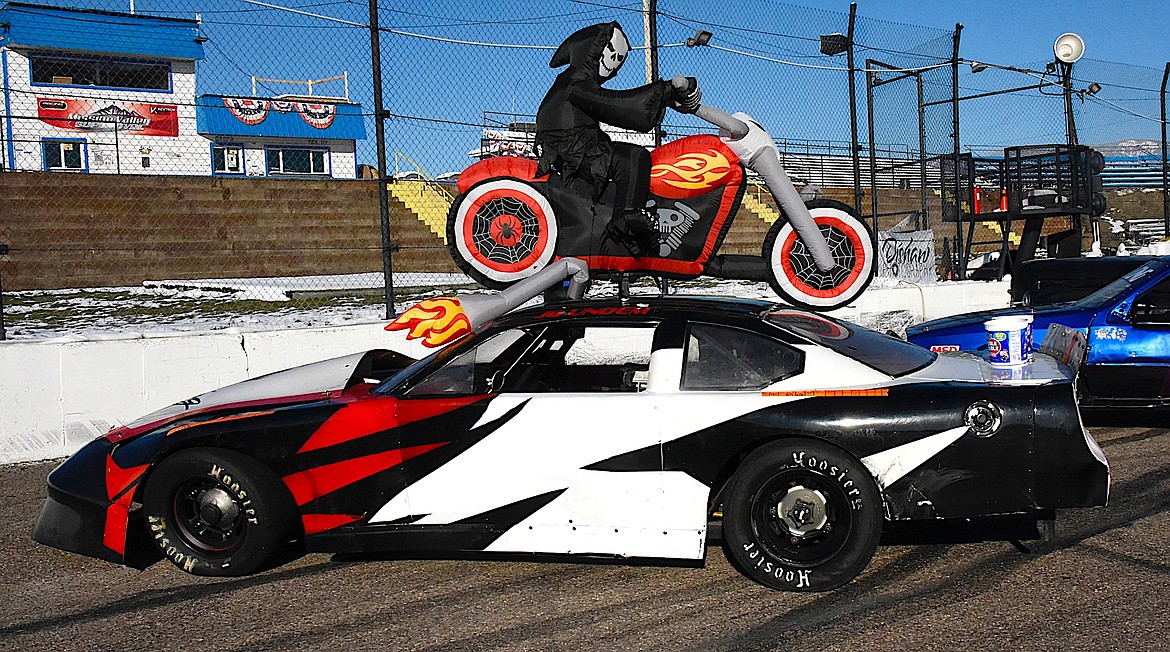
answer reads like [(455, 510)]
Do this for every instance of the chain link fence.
[(188, 166)]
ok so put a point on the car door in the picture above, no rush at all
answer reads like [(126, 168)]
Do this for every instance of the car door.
[(574, 398), (1129, 349)]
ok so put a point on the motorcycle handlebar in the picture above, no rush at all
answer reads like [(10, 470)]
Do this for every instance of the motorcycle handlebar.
[(738, 128)]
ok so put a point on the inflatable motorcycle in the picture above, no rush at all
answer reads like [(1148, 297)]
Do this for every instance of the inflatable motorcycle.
[(506, 223)]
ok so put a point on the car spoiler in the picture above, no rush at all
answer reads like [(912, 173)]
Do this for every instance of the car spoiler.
[(1068, 345)]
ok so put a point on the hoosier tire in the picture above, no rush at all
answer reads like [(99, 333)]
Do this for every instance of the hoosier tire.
[(801, 515), (216, 512)]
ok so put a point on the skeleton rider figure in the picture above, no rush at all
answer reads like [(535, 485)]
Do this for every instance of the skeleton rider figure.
[(570, 141)]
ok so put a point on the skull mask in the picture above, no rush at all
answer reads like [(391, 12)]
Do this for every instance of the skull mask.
[(614, 55)]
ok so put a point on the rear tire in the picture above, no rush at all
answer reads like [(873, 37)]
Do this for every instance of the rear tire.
[(217, 512), (801, 515), (792, 273), (503, 230)]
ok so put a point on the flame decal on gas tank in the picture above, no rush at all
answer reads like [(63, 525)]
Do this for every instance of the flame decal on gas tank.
[(693, 171), (435, 321)]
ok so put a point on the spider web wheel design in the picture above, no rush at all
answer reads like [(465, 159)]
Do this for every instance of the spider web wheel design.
[(505, 230), (843, 253)]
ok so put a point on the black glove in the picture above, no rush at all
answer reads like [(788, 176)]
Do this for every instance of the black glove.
[(687, 100)]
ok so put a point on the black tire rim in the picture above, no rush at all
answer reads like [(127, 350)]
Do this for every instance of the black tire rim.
[(801, 517), (805, 268), (209, 517)]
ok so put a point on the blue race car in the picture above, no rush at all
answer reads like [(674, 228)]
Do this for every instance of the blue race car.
[(1127, 324)]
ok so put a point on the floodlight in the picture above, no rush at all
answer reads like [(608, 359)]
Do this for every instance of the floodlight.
[(701, 37), (1093, 89), (1069, 47), (836, 43), (977, 66)]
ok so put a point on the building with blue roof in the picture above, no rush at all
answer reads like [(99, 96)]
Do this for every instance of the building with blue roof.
[(90, 91)]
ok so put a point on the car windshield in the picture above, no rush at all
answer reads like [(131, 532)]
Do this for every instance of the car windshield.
[(1109, 292), (887, 354), (390, 384)]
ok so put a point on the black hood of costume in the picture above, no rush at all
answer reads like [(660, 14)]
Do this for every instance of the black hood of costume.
[(582, 49)]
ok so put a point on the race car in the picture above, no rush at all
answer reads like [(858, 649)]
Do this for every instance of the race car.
[(614, 429), (1127, 326)]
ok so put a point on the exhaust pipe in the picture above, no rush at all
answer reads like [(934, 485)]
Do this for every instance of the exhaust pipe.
[(442, 320)]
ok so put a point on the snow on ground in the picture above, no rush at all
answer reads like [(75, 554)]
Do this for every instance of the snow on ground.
[(272, 304)]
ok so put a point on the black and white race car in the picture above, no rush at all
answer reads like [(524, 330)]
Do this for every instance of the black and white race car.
[(604, 430)]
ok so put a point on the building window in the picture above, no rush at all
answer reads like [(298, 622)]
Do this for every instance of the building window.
[(227, 159), (56, 70), (295, 160), (64, 155)]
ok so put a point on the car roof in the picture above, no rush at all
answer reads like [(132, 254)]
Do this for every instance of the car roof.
[(687, 306)]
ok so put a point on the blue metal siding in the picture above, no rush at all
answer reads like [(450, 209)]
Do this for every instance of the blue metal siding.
[(214, 118), (101, 32)]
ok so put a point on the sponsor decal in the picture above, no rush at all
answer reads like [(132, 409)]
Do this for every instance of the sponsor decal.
[(1114, 333), (830, 392), (137, 118), (942, 348), (248, 111), (624, 311), (435, 321)]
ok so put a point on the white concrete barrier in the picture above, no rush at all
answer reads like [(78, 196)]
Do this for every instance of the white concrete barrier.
[(57, 395)]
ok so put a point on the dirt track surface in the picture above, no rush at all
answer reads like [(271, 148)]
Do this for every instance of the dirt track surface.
[(1104, 585)]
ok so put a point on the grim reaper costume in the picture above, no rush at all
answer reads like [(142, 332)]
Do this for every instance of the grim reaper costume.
[(570, 140)]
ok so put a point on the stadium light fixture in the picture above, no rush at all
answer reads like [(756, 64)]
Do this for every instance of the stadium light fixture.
[(701, 37)]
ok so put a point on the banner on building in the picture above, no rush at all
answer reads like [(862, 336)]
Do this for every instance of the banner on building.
[(253, 111), (908, 256), (137, 118)]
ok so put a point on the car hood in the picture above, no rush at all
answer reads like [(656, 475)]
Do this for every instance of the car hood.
[(1068, 314), (314, 381)]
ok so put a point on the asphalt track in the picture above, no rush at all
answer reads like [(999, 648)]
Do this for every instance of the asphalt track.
[(1103, 584)]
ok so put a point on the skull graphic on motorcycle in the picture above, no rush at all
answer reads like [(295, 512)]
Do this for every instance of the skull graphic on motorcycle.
[(674, 221)]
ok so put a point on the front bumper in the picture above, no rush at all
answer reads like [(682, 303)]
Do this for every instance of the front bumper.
[(85, 515)]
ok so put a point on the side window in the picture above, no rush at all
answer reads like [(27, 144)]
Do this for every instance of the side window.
[(1153, 307), (469, 372), (575, 358), (724, 358)]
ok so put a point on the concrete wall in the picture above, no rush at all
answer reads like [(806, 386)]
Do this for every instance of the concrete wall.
[(57, 395)]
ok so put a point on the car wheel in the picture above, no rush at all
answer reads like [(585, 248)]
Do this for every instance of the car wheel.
[(217, 512), (501, 231), (801, 516), (794, 276)]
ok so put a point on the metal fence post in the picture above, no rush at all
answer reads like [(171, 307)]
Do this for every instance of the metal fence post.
[(1165, 172), (3, 252), (855, 145), (958, 246), (380, 139)]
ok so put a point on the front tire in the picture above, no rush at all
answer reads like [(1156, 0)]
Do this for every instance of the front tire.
[(801, 515), (794, 276), (502, 231), (216, 512)]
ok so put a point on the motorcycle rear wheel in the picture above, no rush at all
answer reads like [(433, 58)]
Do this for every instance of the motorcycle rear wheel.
[(794, 276), (501, 231)]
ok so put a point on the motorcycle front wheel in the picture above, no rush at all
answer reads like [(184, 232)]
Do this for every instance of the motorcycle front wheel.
[(793, 274), (501, 231)]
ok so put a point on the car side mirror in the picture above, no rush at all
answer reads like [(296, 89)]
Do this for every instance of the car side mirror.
[(495, 381), (1120, 314)]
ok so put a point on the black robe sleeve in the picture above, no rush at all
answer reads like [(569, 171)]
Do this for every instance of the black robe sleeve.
[(639, 109)]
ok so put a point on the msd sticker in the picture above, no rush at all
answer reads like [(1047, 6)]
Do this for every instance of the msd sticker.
[(941, 348)]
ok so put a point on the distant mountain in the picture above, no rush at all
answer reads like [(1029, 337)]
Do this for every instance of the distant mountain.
[(1130, 147)]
